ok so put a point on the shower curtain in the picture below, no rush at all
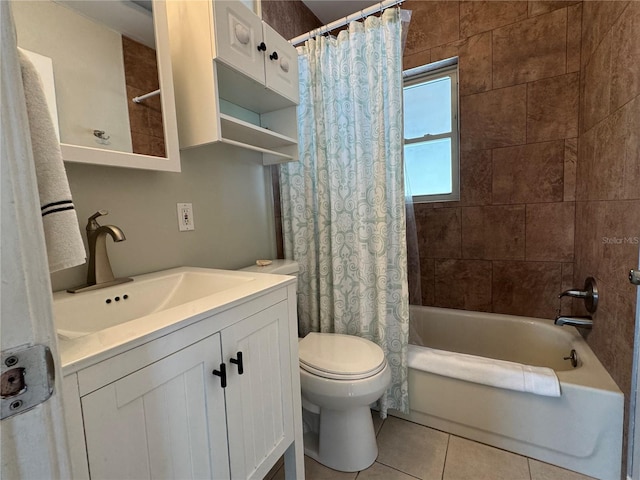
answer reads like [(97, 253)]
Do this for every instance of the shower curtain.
[(343, 204)]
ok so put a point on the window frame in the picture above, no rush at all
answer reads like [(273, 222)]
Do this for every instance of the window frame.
[(427, 73)]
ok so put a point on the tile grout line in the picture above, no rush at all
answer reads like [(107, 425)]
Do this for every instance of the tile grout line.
[(446, 453)]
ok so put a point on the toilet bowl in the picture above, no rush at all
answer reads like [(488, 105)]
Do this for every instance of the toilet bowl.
[(340, 377)]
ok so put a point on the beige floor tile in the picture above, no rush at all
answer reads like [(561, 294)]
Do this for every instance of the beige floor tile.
[(316, 471), (544, 471), (272, 475), (467, 460), (411, 448), (377, 471)]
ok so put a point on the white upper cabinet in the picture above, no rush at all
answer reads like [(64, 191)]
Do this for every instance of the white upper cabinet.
[(281, 65), (249, 97), (238, 39), (94, 59)]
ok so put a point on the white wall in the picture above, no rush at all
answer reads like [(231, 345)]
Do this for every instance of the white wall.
[(233, 210), (88, 67)]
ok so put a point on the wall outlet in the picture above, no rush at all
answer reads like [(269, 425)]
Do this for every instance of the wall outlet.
[(185, 217)]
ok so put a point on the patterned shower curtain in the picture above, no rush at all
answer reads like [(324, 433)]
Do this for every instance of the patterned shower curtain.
[(343, 203)]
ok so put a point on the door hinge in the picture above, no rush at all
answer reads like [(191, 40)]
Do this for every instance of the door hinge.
[(27, 376)]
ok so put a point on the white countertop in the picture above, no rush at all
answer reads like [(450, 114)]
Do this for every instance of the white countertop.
[(81, 352)]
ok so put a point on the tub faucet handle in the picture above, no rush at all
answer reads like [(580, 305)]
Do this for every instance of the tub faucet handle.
[(589, 294), (573, 294)]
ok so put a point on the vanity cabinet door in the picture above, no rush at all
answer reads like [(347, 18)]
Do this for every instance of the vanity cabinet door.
[(259, 401), (238, 36), (166, 420)]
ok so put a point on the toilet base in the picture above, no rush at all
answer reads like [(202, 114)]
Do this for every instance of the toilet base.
[(346, 440)]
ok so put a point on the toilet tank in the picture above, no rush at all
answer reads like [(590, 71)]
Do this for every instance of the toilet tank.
[(276, 267)]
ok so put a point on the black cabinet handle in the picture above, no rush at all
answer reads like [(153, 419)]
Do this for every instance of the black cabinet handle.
[(274, 56), (222, 373), (238, 362), (262, 47)]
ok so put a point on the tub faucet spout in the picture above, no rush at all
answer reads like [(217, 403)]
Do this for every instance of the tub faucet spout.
[(575, 321)]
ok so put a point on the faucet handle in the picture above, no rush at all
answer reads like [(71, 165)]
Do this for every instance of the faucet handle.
[(574, 294), (589, 294), (92, 223)]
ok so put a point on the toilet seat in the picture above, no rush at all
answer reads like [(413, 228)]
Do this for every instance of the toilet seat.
[(340, 357)]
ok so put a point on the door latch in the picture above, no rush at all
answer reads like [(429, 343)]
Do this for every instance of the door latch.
[(634, 277), (27, 377)]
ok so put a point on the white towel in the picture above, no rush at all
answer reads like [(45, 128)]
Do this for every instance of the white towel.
[(61, 231), (487, 371)]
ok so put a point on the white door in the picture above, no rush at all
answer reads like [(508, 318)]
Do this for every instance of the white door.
[(281, 65), (174, 417), (34, 443), (259, 401), (238, 38)]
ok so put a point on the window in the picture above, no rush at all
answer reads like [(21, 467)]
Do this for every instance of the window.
[(431, 132)]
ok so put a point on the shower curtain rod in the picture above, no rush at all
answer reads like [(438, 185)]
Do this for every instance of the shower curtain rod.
[(344, 21)]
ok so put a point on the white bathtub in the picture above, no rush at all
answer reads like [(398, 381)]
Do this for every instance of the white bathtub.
[(581, 430)]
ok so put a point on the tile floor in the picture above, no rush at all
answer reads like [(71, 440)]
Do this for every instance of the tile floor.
[(408, 451)]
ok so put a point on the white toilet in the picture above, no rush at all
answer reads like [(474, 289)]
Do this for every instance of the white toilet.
[(340, 376)]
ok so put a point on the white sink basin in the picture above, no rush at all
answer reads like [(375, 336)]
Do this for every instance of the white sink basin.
[(81, 314)]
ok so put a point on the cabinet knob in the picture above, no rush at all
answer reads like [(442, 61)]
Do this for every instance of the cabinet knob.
[(262, 47), (222, 373), (274, 56), (284, 65), (238, 361), (242, 34)]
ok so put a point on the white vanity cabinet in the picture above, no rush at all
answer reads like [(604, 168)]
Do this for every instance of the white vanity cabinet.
[(158, 410), (236, 79), (166, 420)]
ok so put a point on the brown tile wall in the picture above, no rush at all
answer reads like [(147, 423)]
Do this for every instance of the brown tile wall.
[(145, 119), (289, 18), (608, 178), (508, 245)]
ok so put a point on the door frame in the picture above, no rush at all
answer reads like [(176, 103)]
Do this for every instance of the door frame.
[(633, 449)]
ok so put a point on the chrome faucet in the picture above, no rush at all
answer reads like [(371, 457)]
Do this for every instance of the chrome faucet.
[(589, 294), (575, 321), (99, 273)]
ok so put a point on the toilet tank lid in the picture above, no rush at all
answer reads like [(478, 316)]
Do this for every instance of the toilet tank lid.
[(276, 267)]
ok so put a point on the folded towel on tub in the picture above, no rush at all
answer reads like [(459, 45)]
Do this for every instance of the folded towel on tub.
[(486, 371)]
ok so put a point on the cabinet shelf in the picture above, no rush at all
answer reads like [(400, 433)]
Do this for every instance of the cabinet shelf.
[(269, 157), (245, 132), (246, 92)]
